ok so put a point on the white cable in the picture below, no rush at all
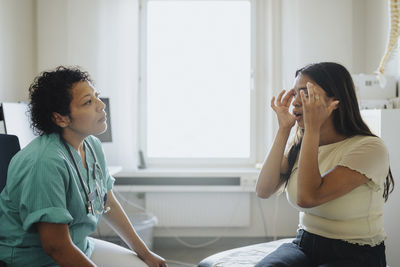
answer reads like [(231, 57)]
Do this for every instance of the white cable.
[(188, 245), (262, 216), (205, 244), (126, 201), (275, 217), (177, 238), (119, 195), (99, 233)]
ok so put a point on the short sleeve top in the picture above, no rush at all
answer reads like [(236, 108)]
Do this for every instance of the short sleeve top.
[(356, 217), (43, 186)]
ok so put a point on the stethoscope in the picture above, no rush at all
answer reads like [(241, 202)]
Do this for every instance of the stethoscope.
[(99, 190)]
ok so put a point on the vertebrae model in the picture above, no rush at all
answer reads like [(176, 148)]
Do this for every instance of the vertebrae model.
[(394, 34)]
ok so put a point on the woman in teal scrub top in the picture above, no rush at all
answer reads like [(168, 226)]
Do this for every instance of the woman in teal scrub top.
[(58, 187)]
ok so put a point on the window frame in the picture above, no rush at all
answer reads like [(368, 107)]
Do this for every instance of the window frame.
[(210, 162)]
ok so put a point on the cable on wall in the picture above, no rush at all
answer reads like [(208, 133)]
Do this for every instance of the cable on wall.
[(176, 237)]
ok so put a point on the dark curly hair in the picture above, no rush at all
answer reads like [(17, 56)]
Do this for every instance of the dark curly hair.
[(51, 92)]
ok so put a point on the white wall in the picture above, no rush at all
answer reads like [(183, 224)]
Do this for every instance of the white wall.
[(101, 37), (17, 49), (313, 31), (353, 33)]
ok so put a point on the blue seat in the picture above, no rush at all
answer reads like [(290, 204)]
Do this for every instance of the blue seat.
[(9, 146)]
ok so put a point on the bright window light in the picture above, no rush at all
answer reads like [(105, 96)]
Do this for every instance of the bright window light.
[(198, 79)]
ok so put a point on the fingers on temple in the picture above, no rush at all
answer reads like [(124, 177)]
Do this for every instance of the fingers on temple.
[(311, 92), (303, 97), (279, 99), (291, 98), (288, 97)]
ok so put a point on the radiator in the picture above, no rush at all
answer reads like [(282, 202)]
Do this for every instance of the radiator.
[(200, 209)]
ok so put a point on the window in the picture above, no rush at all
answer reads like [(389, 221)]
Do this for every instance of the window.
[(197, 98)]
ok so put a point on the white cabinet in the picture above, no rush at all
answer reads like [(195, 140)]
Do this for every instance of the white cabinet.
[(385, 123)]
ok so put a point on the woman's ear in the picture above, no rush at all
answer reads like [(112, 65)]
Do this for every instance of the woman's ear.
[(335, 104), (59, 120), (332, 105)]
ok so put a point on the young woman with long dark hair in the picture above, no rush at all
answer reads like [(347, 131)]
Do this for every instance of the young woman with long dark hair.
[(335, 172)]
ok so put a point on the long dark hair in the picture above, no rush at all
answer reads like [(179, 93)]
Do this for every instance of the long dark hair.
[(337, 83)]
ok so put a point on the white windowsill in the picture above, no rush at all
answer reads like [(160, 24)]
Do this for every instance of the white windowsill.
[(182, 189), (247, 176), (188, 172)]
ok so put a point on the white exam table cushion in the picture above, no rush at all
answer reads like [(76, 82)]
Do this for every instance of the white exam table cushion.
[(244, 256)]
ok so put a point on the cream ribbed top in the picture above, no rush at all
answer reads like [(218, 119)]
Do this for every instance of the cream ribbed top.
[(356, 217)]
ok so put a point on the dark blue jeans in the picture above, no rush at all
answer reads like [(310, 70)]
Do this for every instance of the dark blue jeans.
[(310, 250)]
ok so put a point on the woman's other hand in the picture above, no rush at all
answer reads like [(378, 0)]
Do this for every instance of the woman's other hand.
[(317, 107), (281, 108)]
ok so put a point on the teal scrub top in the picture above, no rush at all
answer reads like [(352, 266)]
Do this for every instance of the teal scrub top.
[(43, 186)]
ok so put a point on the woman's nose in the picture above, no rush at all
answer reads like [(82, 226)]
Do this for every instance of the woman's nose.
[(296, 101), (101, 105)]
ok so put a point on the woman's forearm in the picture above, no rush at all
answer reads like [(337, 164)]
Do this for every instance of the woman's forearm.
[(309, 177), (57, 243), (70, 256), (269, 179), (119, 222)]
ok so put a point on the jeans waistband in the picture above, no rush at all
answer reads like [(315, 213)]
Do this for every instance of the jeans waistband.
[(303, 234)]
